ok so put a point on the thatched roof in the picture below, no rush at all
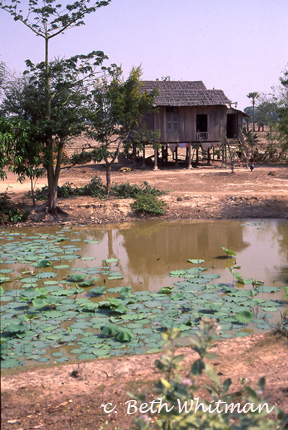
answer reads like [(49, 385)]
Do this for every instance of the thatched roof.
[(185, 93)]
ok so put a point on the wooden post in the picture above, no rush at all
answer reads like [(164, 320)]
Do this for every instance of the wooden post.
[(143, 160), (209, 157), (223, 155), (155, 159), (134, 154), (189, 156)]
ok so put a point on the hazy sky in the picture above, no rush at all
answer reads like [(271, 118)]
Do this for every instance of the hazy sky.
[(238, 46)]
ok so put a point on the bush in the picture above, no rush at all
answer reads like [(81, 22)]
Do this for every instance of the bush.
[(10, 213), (94, 188), (174, 390), (282, 326), (63, 192), (128, 191), (148, 205)]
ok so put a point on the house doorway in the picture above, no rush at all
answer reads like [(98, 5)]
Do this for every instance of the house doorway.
[(232, 125)]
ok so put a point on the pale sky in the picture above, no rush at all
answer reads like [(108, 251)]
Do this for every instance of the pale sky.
[(239, 46)]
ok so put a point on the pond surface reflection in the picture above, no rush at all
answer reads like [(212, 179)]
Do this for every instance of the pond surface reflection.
[(148, 251)]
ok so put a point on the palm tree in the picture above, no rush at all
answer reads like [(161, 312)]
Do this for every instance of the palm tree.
[(253, 96)]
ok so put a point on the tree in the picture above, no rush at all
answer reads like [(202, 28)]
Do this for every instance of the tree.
[(283, 111), (48, 21), (3, 74), (20, 149), (253, 96), (116, 108), (25, 104)]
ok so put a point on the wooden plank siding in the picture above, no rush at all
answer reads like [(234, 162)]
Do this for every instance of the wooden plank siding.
[(187, 131)]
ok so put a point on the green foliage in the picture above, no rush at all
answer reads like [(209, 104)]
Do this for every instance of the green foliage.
[(10, 213), (52, 94), (148, 205), (81, 158), (128, 191), (251, 138), (95, 188), (116, 108), (228, 252), (282, 327), (179, 399), (283, 116), (120, 333)]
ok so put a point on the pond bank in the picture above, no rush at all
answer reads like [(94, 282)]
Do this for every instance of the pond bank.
[(204, 193)]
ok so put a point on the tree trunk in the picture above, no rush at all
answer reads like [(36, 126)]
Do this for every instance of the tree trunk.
[(32, 192), (108, 177), (52, 196)]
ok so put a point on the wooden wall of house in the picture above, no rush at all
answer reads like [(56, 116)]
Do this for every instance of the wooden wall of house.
[(217, 123)]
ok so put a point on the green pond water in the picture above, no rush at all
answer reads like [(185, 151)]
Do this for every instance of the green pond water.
[(75, 293)]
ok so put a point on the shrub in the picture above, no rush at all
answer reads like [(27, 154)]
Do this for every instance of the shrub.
[(94, 188), (148, 205), (174, 390), (282, 326), (128, 191), (10, 213)]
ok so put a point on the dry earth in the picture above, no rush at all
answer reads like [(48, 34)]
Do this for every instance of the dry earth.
[(202, 193), (70, 396)]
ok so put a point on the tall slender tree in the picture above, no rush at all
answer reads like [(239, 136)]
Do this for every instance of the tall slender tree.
[(253, 96), (48, 21)]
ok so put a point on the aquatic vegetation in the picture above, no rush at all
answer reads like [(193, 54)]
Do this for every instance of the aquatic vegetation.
[(52, 311)]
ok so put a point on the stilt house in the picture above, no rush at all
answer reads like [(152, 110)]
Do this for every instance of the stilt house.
[(187, 114)]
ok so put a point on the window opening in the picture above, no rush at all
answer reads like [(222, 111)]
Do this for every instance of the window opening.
[(171, 119)]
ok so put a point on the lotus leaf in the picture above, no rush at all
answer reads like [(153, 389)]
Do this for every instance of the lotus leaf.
[(44, 275), (111, 260), (166, 290), (4, 279), (125, 292), (76, 278), (195, 261), (124, 335), (10, 362), (245, 316), (97, 290), (44, 263), (178, 273)]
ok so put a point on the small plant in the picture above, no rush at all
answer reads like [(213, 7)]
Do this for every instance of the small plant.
[(229, 253), (9, 213), (94, 188), (179, 407), (282, 326), (148, 205)]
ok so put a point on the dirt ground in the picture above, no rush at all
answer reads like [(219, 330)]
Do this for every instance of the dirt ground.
[(70, 396), (207, 192)]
